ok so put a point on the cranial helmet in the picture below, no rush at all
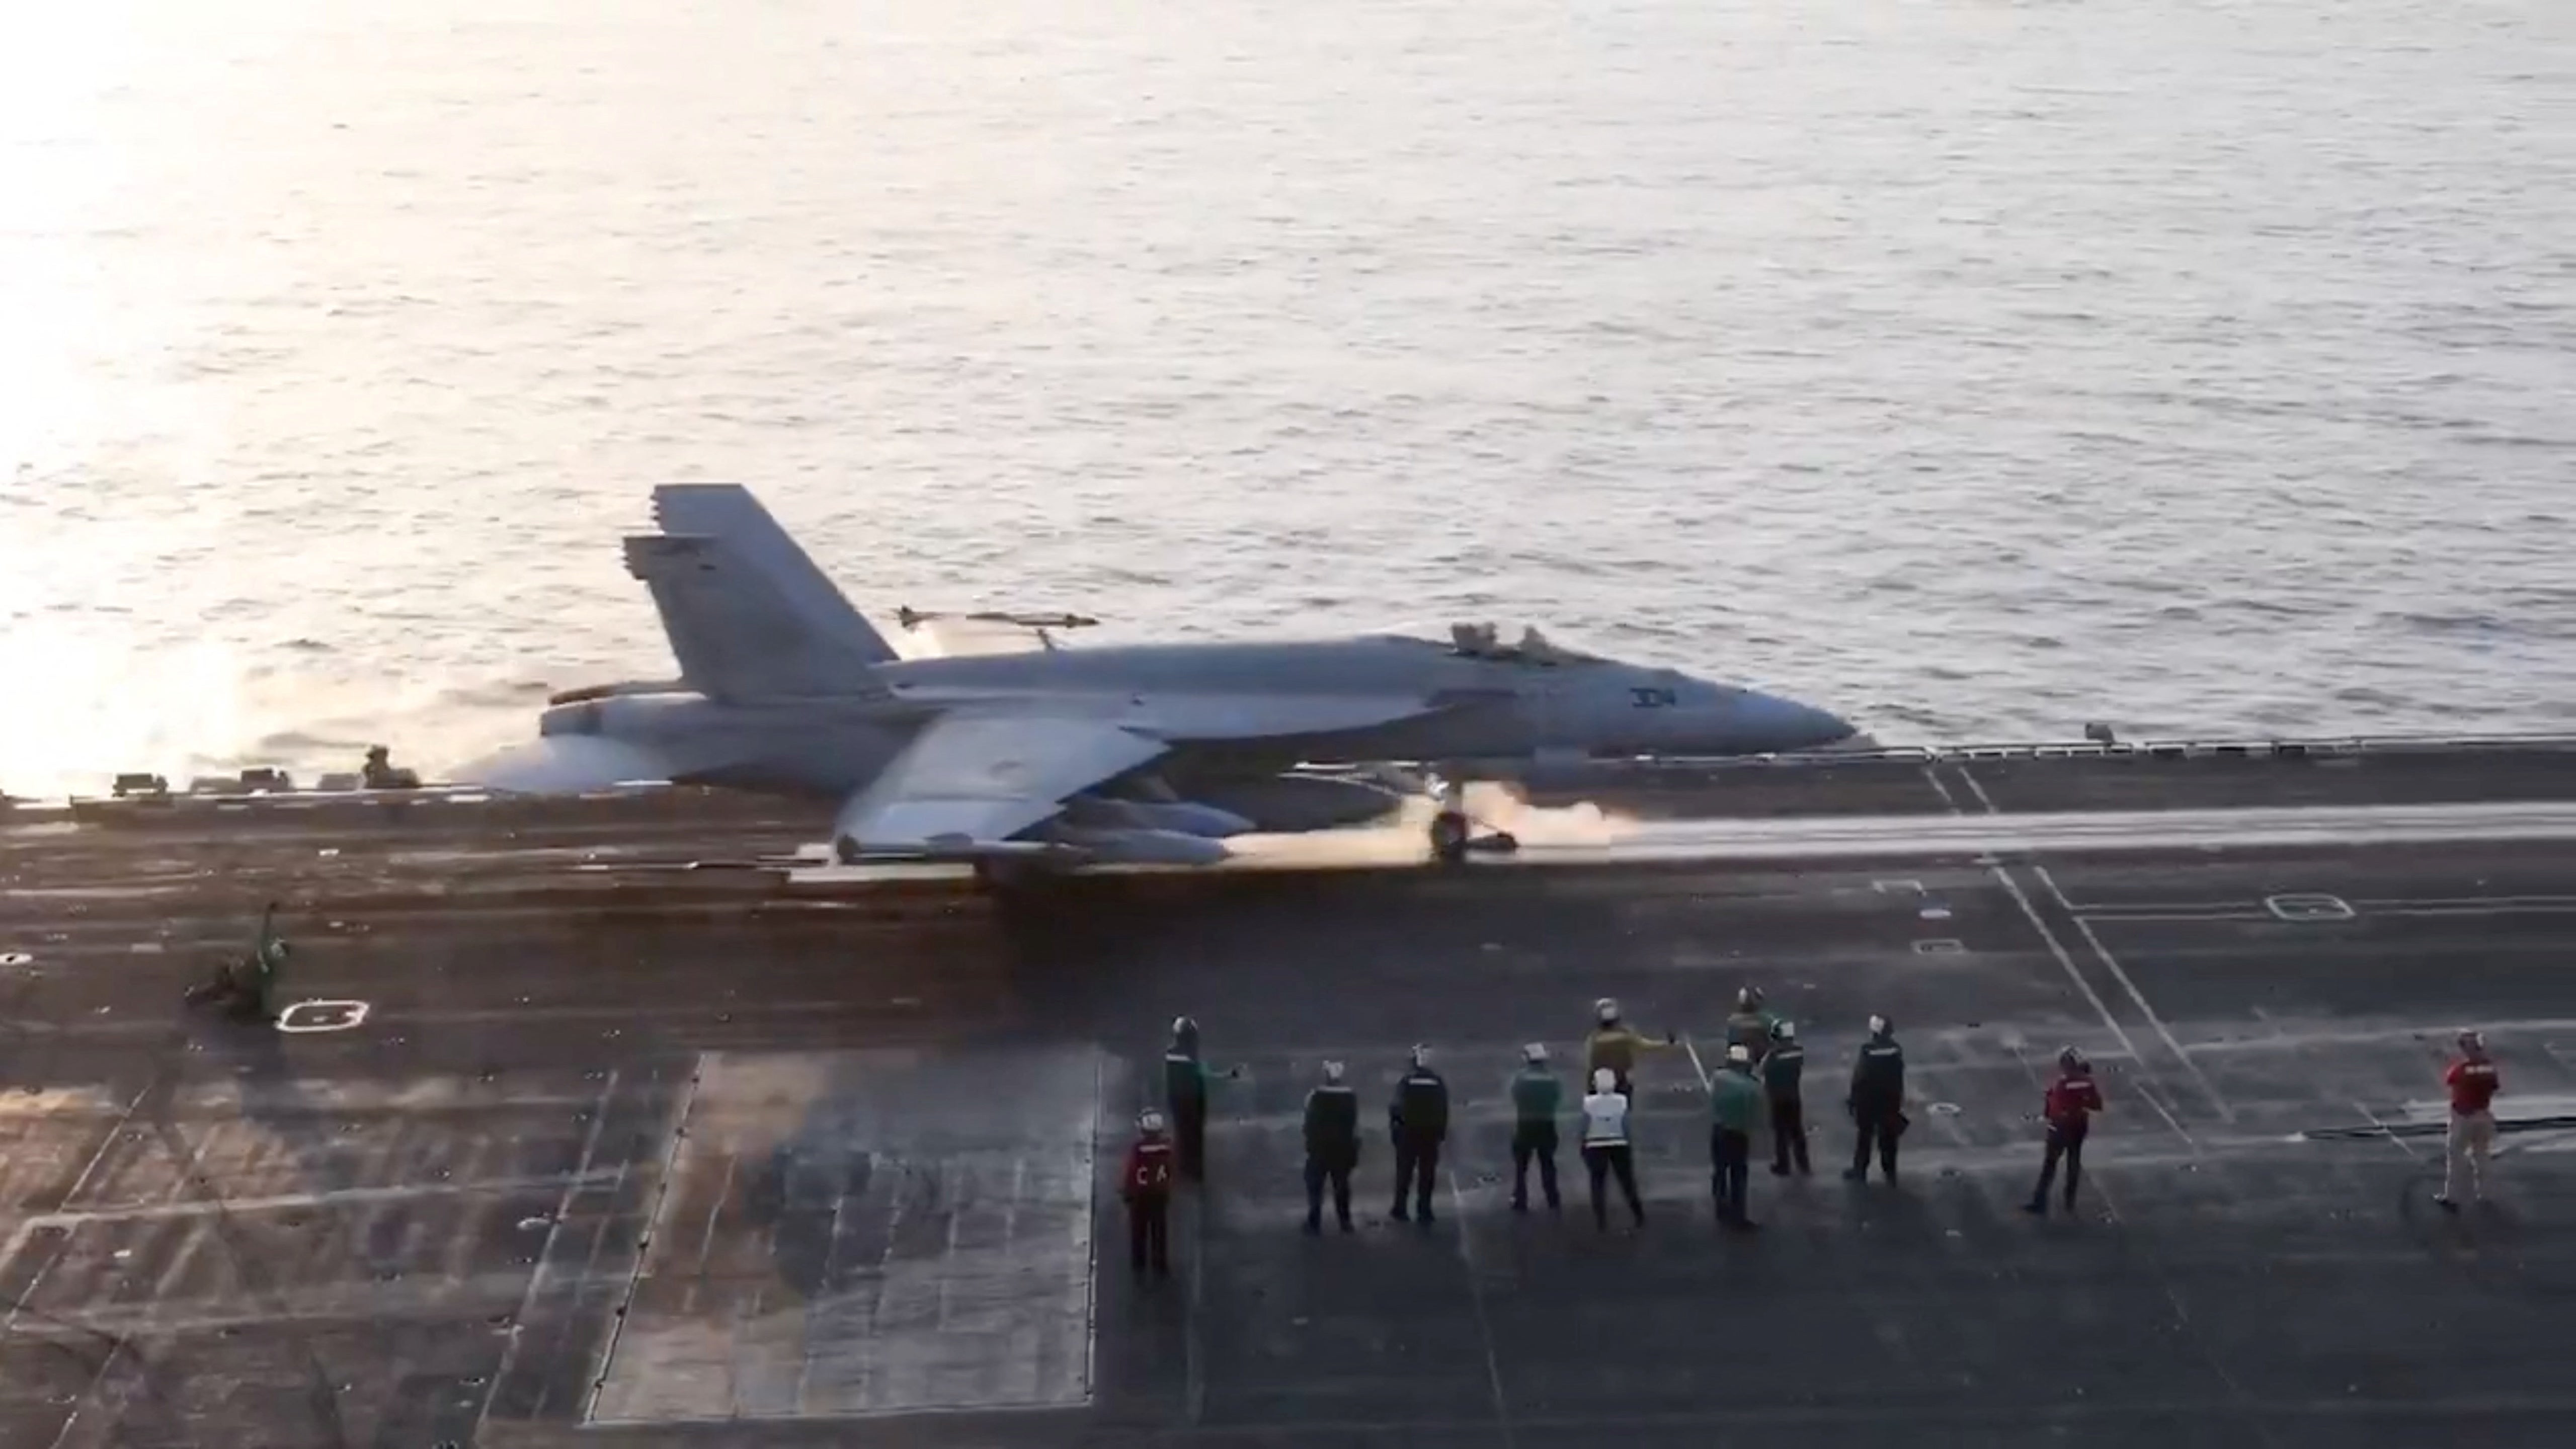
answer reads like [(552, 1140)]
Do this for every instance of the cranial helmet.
[(2072, 1060), (1880, 1026), (1150, 1120), (1739, 1056), (1534, 1053), (1421, 1055), (1332, 1071), (2472, 1039), (1607, 1008), (1604, 1079), (1749, 998), (1784, 1031)]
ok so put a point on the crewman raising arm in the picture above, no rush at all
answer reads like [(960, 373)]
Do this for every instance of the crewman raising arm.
[(1614, 1046)]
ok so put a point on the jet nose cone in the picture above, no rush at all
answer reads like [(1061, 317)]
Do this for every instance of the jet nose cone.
[(1786, 725)]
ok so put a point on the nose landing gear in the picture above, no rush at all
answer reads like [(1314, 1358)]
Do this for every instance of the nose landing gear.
[(1453, 836)]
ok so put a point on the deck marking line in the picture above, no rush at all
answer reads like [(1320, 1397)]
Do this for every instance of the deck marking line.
[(1484, 1316), (2094, 940)]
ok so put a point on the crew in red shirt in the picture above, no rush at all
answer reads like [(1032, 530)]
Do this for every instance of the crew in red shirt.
[(1146, 1183), (2473, 1082), (2069, 1107)]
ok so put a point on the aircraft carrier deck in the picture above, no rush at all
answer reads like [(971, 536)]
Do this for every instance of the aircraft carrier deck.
[(700, 1157)]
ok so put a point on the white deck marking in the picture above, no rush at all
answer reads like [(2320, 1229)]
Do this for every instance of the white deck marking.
[(2093, 939), (2386, 1129), (2308, 906), (1484, 1316), (581, 1174), (652, 1222), (320, 1016), (2065, 959)]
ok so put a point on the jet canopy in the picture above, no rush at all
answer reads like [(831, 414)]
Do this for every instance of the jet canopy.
[(1484, 641)]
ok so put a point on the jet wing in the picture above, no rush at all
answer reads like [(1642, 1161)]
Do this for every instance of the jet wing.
[(975, 780)]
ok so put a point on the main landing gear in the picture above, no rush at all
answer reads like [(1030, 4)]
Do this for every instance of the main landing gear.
[(1453, 836)]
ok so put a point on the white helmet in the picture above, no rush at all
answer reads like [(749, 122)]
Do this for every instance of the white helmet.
[(1149, 1120), (1607, 1008), (1332, 1071), (1604, 1079), (1534, 1053)]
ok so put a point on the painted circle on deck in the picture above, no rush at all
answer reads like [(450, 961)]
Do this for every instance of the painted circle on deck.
[(318, 1016)]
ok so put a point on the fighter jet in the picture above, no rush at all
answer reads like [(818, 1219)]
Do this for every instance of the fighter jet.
[(1053, 757)]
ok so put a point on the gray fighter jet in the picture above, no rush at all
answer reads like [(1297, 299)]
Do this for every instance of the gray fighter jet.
[(1043, 754)]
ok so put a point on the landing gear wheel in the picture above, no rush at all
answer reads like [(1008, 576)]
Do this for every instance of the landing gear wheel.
[(1501, 842), (1449, 837)]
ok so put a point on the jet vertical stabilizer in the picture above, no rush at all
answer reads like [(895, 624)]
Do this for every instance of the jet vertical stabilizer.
[(738, 635), (729, 513)]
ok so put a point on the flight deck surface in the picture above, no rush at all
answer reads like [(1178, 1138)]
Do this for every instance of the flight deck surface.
[(690, 1158)]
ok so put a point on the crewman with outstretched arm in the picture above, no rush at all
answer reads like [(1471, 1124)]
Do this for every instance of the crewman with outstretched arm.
[(1614, 1046), (244, 990), (1877, 1100), (1332, 1147), (1185, 1094)]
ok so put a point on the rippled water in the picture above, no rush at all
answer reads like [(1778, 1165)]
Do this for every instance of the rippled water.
[(1976, 368)]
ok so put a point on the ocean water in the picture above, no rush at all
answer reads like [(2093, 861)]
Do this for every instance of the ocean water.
[(1977, 368)]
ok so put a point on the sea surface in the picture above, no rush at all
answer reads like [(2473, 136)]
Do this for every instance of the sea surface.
[(1976, 368)]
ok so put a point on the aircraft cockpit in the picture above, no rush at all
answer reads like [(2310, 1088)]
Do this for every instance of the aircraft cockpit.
[(1484, 641)]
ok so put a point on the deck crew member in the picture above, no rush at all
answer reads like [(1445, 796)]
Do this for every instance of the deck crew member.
[(1735, 1109), (2473, 1082), (1536, 1098), (1146, 1183), (243, 989), (1606, 1148), (1332, 1147), (1615, 1045), (380, 772), (2069, 1107), (1185, 1094), (1877, 1100), (1784, 1070), (1750, 1026), (1418, 1120)]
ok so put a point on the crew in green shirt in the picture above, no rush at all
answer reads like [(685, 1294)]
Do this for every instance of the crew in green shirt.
[(1735, 1103), (1536, 1097)]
